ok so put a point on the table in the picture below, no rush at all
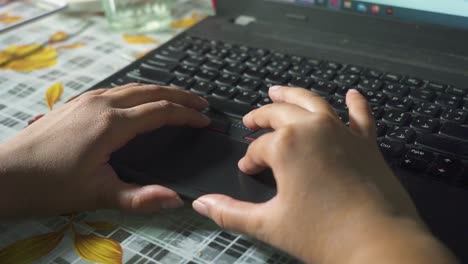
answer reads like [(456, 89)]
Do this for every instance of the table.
[(70, 54)]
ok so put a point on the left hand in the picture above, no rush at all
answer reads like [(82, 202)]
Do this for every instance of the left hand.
[(59, 164)]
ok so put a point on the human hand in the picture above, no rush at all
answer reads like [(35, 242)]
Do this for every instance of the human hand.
[(59, 164), (336, 197)]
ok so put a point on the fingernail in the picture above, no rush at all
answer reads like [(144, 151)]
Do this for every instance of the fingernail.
[(200, 207), (172, 203), (275, 88), (353, 91)]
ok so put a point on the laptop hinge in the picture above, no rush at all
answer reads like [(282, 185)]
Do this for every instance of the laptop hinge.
[(244, 20)]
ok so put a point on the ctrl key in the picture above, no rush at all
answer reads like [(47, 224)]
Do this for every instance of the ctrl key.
[(391, 149)]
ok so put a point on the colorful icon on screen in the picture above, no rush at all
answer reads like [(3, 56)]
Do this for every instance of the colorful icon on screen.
[(335, 3), (347, 4), (375, 9), (361, 8), (389, 11)]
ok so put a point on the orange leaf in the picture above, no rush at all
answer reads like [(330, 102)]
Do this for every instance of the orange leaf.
[(31, 249), (187, 22), (58, 37), (139, 39), (53, 94), (97, 249), (10, 19), (27, 58), (100, 225)]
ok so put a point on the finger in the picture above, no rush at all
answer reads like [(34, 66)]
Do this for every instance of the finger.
[(230, 214), (142, 94), (360, 116), (274, 116), (298, 96), (257, 156), (150, 116), (123, 87)]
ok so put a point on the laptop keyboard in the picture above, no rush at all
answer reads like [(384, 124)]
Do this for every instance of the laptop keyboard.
[(421, 125)]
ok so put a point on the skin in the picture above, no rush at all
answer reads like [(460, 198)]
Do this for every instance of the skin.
[(337, 200)]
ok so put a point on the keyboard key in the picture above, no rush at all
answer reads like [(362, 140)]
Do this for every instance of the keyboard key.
[(278, 77), (456, 91), (399, 103), (326, 74), (421, 154), (381, 128), (324, 88), (436, 87), (235, 68), (422, 95), (171, 55), (198, 50), (258, 73), (446, 168), (402, 134), (397, 118), (194, 60), (374, 98), (454, 115), (396, 89), (217, 54), (412, 81), (264, 101), (214, 65), (339, 104), (377, 112), (391, 149), (332, 65), (183, 82), (228, 107), (417, 159), (342, 90), (203, 88), (237, 57), (206, 75), (297, 70), (352, 69), (161, 65), (220, 125), (299, 81), (156, 76), (428, 109), (257, 62), (425, 124), (344, 117), (451, 101), (347, 79), (179, 46), (373, 74), (227, 79), (224, 92), (454, 131), (247, 97), (278, 66), (390, 77), (442, 144), (249, 84), (371, 84), (186, 70)]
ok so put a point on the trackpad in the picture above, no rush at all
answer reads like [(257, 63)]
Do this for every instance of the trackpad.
[(193, 162)]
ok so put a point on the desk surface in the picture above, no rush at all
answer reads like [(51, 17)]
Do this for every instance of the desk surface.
[(78, 53)]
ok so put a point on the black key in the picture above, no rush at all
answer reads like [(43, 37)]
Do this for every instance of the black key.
[(218, 124), (156, 76), (339, 104), (277, 56), (427, 109), (183, 82), (451, 101), (297, 60), (397, 118), (203, 88), (344, 117), (456, 91), (377, 112), (342, 90), (179, 46), (171, 55), (411, 163), (298, 70), (278, 66), (399, 103), (186, 70), (228, 107), (257, 52), (436, 87), (465, 105), (224, 92), (425, 124), (412, 81), (194, 61), (299, 81), (198, 50), (381, 128), (214, 65), (259, 73), (402, 134), (249, 84), (235, 68), (422, 95), (375, 98), (352, 69), (122, 81), (227, 79), (247, 97), (326, 74), (370, 84), (421, 154), (454, 115), (257, 62), (217, 54), (417, 159), (237, 57), (446, 168), (391, 148), (161, 65), (390, 77), (264, 101), (206, 75), (324, 88), (347, 79), (310, 62), (332, 65), (396, 89), (373, 74), (444, 145), (278, 77), (454, 131)]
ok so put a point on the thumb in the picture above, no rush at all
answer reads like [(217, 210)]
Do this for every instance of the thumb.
[(360, 116), (230, 214)]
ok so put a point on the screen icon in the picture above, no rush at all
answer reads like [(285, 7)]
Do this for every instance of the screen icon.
[(375, 9), (347, 4), (335, 3), (361, 8), (389, 11)]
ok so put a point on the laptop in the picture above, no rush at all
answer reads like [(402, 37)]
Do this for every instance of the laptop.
[(409, 58)]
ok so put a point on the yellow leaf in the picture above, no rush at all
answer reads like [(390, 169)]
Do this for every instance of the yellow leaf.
[(97, 249), (53, 94), (10, 19), (187, 22), (28, 250), (72, 46), (139, 39), (16, 57), (58, 37), (100, 225)]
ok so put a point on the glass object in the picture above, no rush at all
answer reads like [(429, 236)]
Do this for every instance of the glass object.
[(138, 16)]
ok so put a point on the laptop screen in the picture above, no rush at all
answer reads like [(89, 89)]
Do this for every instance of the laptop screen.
[(452, 13)]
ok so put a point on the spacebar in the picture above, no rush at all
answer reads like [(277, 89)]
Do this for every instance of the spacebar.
[(229, 108), (444, 145)]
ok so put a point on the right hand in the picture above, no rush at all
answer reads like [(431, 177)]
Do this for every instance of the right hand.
[(335, 192)]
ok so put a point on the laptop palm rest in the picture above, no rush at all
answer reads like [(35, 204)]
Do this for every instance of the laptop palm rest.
[(193, 162)]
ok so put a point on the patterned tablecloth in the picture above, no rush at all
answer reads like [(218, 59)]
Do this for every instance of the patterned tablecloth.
[(48, 61)]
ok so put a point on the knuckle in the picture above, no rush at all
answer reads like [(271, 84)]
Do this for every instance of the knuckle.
[(165, 105), (285, 138)]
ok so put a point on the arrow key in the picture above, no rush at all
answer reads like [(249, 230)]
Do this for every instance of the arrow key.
[(445, 168)]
